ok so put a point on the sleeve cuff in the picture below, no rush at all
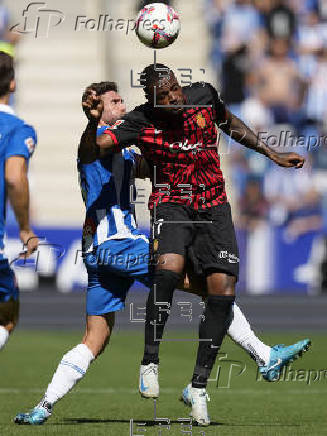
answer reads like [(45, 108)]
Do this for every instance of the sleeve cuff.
[(18, 154), (112, 135)]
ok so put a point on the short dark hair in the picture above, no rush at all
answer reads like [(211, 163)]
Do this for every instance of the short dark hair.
[(7, 72), (100, 88), (152, 74)]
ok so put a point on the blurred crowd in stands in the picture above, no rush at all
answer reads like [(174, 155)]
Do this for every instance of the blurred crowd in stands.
[(271, 63)]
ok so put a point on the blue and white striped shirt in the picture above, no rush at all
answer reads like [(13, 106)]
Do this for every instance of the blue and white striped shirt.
[(107, 186)]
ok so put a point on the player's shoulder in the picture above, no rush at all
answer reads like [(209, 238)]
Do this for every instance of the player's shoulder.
[(27, 129), (16, 124), (201, 93), (140, 115)]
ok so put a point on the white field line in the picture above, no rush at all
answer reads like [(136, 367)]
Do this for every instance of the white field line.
[(106, 391)]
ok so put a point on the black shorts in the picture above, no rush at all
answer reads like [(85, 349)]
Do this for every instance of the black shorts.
[(206, 238)]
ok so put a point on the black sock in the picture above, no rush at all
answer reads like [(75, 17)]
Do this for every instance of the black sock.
[(213, 328), (162, 291)]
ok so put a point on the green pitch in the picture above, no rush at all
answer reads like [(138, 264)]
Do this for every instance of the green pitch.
[(106, 401)]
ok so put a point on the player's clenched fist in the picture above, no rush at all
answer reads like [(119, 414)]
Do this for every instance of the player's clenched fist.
[(92, 104), (288, 160)]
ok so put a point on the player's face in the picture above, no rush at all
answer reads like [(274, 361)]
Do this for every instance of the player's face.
[(169, 93), (114, 107)]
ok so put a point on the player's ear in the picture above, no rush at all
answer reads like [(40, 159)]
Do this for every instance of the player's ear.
[(12, 85)]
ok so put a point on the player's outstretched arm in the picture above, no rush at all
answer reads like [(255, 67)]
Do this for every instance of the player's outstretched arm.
[(241, 133), (92, 106), (18, 194)]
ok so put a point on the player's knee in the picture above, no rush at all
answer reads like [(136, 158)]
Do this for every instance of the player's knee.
[(172, 262), (221, 284)]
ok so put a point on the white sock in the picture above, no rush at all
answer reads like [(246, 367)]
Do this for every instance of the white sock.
[(4, 335), (71, 369), (240, 331)]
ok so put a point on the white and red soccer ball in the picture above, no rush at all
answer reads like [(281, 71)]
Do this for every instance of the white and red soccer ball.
[(157, 25)]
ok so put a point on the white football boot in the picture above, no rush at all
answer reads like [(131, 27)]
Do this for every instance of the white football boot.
[(148, 382), (197, 399)]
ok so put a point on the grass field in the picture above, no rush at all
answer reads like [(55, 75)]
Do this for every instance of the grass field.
[(107, 399)]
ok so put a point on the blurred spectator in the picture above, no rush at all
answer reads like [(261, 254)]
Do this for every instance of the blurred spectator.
[(213, 11), (240, 25), (258, 117), (310, 41), (263, 6), (239, 172), (316, 108), (294, 201), (322, 8), (234, 73), (280, 20), (279, 84), (309, 35), (253, 206)]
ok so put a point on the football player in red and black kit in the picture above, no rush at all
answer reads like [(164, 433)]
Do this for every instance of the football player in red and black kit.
[(176, 131)]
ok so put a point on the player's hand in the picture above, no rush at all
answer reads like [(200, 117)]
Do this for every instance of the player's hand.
[(30, 241), (288, 160), (92, 105)]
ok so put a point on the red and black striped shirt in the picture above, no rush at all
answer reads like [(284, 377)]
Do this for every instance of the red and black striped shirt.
[(184, 160)]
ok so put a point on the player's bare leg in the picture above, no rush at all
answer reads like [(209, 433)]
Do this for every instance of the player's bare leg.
[(98, 332), (168, 274), (72, 367)]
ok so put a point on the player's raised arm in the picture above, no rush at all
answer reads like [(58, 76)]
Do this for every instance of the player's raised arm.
[(18, 194), (92, 107), (241, 133)]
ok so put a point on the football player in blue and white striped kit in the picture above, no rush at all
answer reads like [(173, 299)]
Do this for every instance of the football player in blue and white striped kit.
[(115, 252), (17, 143)]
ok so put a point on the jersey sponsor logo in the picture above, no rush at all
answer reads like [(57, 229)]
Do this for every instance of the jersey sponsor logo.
[(200, 120), (30, 144), (229, 257), (184, 146), (116, 124)]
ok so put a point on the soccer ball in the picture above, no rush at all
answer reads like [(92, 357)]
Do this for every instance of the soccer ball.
[(157, 25)]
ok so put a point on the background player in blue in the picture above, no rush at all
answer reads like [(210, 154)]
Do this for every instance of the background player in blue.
[(115, 254), (17, 143)]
